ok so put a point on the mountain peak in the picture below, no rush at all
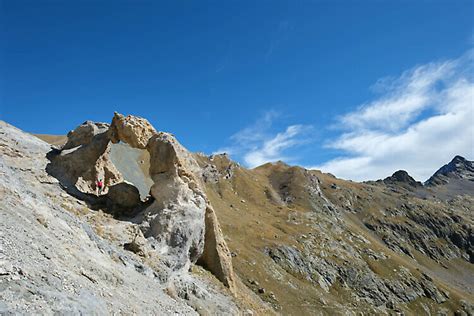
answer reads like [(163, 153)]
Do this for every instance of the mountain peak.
[(458, 159), (401, 177), (458, 168)]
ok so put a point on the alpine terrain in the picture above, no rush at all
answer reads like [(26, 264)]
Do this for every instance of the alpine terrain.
[(175, 232)]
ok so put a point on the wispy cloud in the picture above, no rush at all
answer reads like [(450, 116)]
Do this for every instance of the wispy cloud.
[(258, 144), (420, 121), (281, 35)]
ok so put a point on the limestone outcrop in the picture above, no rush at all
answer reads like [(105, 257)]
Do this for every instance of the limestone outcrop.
[(180, 223), (85, 158), (176, 217), (84, 133), (133, 130), (58, 256), (178, 190), (216, 256)]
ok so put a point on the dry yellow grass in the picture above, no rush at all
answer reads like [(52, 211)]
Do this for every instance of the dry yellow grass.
[(57, 140)]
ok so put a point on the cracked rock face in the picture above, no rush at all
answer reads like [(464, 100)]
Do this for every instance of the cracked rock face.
[(55, 260)]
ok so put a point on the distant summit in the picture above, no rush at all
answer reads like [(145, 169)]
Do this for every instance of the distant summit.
[(459, 168), (402, 177)]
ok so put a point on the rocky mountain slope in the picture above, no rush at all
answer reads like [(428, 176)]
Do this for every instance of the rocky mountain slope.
[(209, 236), (318, 244)]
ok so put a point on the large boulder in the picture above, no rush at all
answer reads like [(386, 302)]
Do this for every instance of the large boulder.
[(133, 130), (123, 197)]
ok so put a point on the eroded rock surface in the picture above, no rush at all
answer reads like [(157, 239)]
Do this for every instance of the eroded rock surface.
[(179, 194), (85, 159), (52, 261), (176, 222), (84, 133), (133, 130), (216, 256), (176, 217)]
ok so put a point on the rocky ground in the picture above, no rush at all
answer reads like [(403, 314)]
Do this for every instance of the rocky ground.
[(50, 260), (59, 255), (205, 235)]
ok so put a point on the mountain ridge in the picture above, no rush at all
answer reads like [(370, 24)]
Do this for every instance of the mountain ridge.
[(397, 176)]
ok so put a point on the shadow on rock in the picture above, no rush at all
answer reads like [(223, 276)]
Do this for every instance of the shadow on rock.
[(122, 200)]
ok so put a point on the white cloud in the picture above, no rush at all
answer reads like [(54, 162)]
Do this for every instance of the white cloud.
[(422, 120), (272, 149), (256, 145), (404, 98)]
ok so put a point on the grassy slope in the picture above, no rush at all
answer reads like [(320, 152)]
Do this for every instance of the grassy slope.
[(57, 140), (265, 220)]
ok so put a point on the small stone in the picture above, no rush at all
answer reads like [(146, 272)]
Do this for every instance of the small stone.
[(261, 290), (253, 282), (426, 276), (42, 220)]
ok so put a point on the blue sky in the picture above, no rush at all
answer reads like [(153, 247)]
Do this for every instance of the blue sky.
[(323, 84)]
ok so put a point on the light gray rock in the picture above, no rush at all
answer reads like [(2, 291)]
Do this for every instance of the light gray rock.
[(63, 268), (176, 217)]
